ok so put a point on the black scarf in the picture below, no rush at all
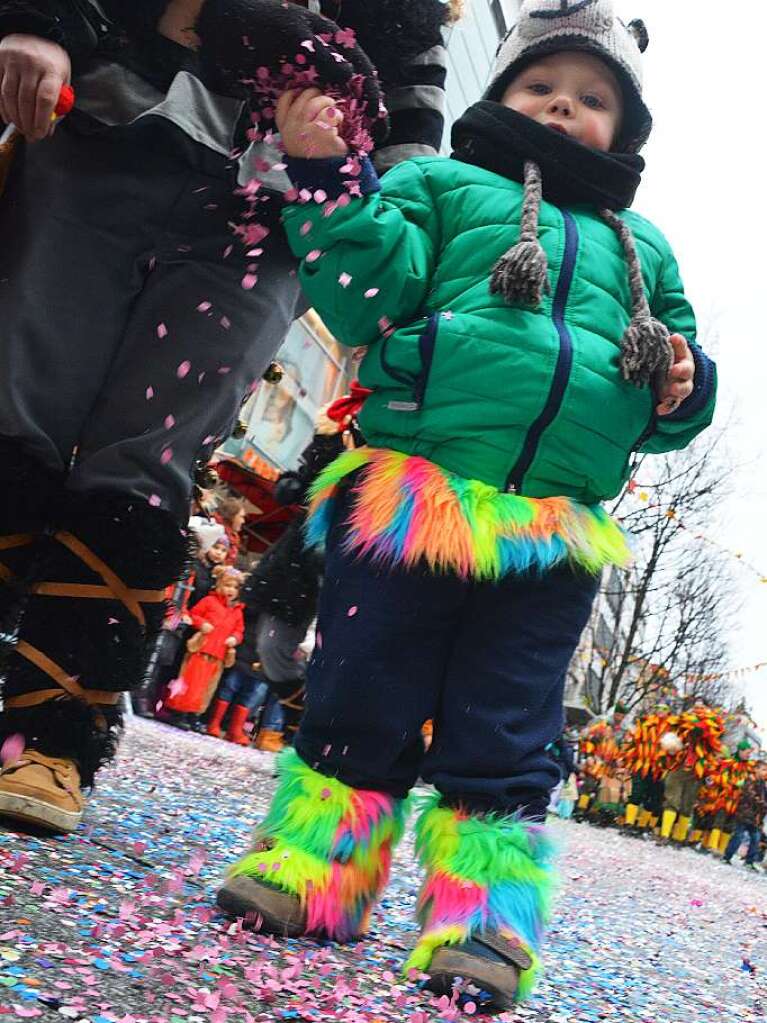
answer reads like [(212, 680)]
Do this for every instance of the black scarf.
[(499, 139)]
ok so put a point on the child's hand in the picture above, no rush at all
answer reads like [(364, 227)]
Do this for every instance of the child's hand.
[(308, 123), (230, 641), (206, 627), (678, 384)]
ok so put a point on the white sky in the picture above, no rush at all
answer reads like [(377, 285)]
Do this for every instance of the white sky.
[(707, 87)]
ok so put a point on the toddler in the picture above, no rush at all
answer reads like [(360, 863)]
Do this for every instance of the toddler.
[(218, 620), (526, 335)]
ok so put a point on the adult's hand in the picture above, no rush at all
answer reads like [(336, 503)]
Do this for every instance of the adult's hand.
[(32, 72)]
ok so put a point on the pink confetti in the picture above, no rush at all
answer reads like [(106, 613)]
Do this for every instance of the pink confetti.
[(155, 500), (352, 611), (305, 228), (166, 456), (162, 330), (345, 280), (12, 748), (320, 196), (313, 256), (372, 292), (203, 307), (249, 281), (183, 369), (170, 422), (149, 393)]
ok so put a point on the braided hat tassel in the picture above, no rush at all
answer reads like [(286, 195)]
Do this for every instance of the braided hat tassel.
[(646, 351), (521, 274)]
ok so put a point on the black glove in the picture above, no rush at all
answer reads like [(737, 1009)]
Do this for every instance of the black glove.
[(391, 32), (257, 49)]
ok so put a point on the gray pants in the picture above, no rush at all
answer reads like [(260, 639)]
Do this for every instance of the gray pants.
[(127, 341)]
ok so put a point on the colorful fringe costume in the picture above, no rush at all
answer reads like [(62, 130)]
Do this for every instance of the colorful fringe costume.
[(328, 844), (482, 873), (406, 509)]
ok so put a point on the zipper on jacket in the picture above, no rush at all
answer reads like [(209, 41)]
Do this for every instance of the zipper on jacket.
[(564, 359)]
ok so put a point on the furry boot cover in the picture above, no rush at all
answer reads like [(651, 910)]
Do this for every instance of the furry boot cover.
[(483, 874), (90, 621), (328, 844), (67, 728), (31, 497)]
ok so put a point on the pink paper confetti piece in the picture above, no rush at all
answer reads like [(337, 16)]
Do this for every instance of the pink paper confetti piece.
[(352, 611), (12, 748), (372, 292), (345, 280), (313, 256), (249, 281), (155, 500), (183, 369), (169, 422), (166, 456), (162, 330), (149, 393), (203, 307)]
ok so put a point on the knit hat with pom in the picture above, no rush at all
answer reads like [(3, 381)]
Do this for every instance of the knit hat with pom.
[(207, 533), (550, 26)]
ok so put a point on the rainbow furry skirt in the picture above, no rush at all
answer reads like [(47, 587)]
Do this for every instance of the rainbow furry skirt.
[(407, 510)]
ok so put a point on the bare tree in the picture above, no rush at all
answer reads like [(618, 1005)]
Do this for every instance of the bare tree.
[(660, 628)]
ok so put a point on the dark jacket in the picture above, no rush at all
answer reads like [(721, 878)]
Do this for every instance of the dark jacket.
[(753, 803), (286, 582), (203, 580)]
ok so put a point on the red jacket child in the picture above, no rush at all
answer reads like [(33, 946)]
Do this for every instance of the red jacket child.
[(220, 628)]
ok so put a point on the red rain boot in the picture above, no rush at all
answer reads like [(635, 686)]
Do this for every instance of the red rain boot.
[(236, 721), (214, 725)]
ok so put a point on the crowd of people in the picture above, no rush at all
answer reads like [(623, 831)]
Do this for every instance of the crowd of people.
[(527, 335), (681, 777)]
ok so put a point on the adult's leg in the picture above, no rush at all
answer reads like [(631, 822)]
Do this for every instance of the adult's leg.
[(118, 536), (736, 841), (753, 845)]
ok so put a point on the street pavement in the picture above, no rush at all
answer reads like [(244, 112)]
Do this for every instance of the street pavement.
[(117, 922)]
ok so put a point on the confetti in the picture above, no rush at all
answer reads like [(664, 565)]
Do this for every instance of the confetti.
[(117, 924)]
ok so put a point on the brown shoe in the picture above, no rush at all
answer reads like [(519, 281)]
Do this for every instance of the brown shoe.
[(269, 741), (488, 962), (44, 791), (275, 911)]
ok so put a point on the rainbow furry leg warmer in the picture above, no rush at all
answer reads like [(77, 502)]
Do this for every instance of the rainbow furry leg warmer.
[(328, 844), (483, 874)]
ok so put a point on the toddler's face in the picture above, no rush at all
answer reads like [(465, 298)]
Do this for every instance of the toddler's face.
[(217, 554), (571, 92), (229, 589)]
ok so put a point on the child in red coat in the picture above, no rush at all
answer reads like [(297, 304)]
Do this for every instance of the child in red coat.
[(219, 622)]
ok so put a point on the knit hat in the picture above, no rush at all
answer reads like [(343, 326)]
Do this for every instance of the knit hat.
[(207, 533), (521, 274), (550, 26)]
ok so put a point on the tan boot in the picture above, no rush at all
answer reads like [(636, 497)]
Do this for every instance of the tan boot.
[(269, 741), (44, 791)]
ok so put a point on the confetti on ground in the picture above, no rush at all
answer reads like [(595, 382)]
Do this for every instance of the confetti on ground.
[(116, 924)]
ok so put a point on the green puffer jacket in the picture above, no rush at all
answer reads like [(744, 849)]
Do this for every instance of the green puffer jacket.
[(526, 400)]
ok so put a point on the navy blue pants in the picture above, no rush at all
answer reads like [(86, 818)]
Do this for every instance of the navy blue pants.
[(485, 661)]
